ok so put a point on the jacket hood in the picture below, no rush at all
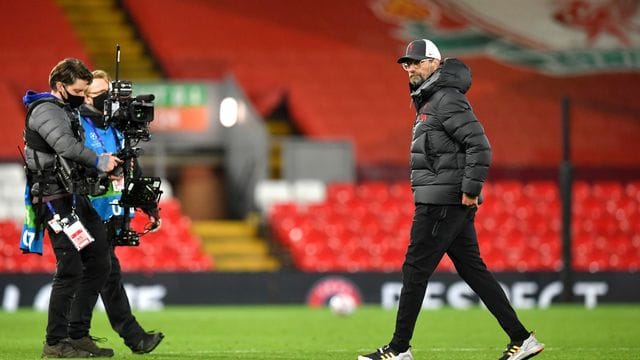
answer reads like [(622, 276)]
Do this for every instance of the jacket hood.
[(31, 96), (452, 73)]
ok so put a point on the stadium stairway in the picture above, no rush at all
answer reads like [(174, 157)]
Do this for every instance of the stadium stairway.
[(236, 245), (101, 24), (279, 129)]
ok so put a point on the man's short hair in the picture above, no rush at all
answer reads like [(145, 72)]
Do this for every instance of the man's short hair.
[(68, 71)]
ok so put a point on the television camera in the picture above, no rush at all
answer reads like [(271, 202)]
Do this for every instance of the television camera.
[(131, 115)]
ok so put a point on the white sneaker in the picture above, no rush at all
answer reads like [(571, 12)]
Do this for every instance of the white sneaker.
[(386, 353), (526, 349)]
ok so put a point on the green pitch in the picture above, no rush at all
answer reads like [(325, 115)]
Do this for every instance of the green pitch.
[(296, 332)]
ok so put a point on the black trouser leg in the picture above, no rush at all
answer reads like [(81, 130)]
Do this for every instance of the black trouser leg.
[(433, 229), (465, 254), (116, 302), (97, 265), (65, 280)]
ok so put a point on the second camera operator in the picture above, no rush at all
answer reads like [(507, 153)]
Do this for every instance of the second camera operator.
[(101, 137), (57, 162)]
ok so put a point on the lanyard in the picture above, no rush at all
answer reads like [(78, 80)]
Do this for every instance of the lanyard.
[(53, 211), (95, 131)]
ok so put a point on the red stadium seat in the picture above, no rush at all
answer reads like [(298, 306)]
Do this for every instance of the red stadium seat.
[(606, 190), (581, 191), (541, 191), (508, 191), (632, 190), (341, 193), (401, 191), (373, 191)]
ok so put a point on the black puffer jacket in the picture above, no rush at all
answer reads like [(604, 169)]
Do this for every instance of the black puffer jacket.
[(450, 153), (53, 123)]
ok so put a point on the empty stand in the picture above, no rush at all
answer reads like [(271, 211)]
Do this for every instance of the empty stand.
[(342, 80), (36, 36), (365, 227)]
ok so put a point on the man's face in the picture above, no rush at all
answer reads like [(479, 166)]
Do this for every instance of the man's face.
[(97, 88), (76, 89), (420, 70)]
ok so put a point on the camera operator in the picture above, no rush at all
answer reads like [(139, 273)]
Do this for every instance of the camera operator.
[(53, 136), (103, 138)]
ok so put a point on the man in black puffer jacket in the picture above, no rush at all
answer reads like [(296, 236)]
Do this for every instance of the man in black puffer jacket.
[(52, 135), (450, 157)]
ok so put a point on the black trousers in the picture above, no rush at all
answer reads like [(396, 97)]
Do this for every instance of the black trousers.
[(114, 296), (450, 229), (80, 275)]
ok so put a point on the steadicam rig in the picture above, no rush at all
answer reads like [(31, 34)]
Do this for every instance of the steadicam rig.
[(132, 116)]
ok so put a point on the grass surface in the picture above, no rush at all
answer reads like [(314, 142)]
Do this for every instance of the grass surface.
[(296, 332)]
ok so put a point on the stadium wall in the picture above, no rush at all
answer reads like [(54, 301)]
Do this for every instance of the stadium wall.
[(154, 291)]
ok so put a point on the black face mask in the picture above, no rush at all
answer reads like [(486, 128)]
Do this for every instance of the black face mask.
[(74, 101), (93, 114), (98, 101), (98, 121)]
